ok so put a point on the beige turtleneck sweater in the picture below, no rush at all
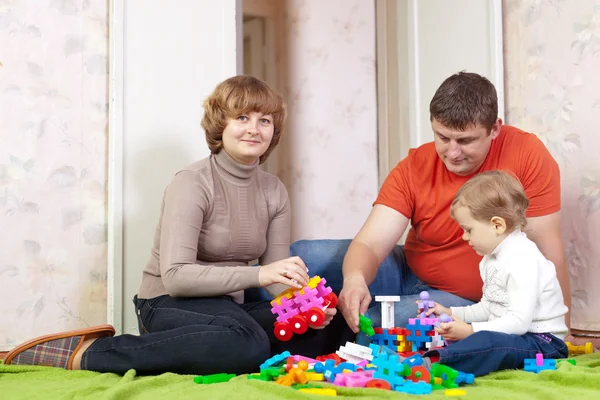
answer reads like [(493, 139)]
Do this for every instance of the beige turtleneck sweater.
[(217, 216)]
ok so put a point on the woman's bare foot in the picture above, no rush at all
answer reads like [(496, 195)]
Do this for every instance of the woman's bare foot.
[(77, 358)]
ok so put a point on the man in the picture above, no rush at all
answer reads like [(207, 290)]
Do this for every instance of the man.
[(468, 138)]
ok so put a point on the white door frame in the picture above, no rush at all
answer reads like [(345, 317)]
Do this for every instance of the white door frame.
[(227, 65), (114, 287)]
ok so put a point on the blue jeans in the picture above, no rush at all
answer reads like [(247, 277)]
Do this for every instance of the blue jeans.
[(394, 278), (205, 336), (484, 352)]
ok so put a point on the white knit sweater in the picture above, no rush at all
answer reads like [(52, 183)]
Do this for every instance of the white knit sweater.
[(520, 292)]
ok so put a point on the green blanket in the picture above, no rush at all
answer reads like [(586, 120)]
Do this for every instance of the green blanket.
[(17, 382)]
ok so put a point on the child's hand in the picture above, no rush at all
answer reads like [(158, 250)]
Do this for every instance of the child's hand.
[(436, 310), (455, 330)]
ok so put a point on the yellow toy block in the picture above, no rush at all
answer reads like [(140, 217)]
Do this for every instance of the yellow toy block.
[(587, 348), (455, 392), (321, 391), (313, 376), (291, 292)]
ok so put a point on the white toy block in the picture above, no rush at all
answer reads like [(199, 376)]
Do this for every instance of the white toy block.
[(387, 310), (355, 353)]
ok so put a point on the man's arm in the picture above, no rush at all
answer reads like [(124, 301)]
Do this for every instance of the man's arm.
[(545, 232), (382, 230), (378, 236)]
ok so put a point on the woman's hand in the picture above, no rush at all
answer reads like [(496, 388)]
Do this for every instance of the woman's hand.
[(436, 310), (290, 271), (455, 330)]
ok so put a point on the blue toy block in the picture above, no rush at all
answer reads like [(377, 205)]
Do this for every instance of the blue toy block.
[(531, 365), (320, 368), (418, 336), (385, 339), (276, 359), (463, 377), (415, 388), (390, 370), (414, 360)]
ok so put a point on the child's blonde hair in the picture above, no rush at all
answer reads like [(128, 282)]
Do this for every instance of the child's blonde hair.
[(494, 194)]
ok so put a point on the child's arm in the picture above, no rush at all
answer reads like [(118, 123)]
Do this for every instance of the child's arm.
[(474, 313), (522, 288)]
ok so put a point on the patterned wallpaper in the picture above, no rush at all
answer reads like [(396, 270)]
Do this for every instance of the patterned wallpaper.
[(552, 77), (53, 97), (328, 157)]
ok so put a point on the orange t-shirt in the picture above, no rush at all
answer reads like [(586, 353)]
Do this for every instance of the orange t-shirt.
[(422, 189)]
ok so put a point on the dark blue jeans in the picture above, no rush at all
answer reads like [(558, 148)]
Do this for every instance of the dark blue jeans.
[(394, 278), (484, 352), (205, 336)]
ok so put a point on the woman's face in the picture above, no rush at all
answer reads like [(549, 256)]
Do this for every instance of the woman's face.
[(248, 137)]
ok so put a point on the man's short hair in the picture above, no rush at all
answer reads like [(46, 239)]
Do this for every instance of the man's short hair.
[(465, 99)]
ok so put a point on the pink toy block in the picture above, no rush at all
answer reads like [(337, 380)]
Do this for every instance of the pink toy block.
[(285, 311), (423, 321), (539, 359), (298, 358), (309, 299), (354, 379), (297, 309)]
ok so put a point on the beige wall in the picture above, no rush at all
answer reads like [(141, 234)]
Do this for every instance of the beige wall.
[(328, 158), (53, 97), (552, 81)]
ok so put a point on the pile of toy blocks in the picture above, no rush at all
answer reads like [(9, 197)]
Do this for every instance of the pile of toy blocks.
[(391, 361)]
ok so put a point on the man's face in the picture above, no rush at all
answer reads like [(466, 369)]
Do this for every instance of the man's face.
[(463, 152)]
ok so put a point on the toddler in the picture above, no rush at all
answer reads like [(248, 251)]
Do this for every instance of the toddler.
[(522, 311)]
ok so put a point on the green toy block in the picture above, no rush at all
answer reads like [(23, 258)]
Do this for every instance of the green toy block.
[(215, 378), (571, 361), (365, 325)]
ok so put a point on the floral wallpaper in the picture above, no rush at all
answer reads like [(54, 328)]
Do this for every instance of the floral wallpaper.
[(328, 156), (53, 134), (551, 60)]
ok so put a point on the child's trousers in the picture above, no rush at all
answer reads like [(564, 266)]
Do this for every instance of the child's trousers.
[(484, 352)]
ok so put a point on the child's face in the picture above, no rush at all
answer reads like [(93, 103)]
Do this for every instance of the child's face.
[(482, 236)]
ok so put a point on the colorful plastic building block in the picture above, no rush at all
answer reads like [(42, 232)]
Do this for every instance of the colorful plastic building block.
[(587, 348), (414, 388), (296, 309), (420, 333), (215, 378), (276, 359), (387, 310), (365, 325), (454, 392), (424, 304), (390, 370), (354, 379), (571, 361), (448, 375), (355, 353), (539, 364)]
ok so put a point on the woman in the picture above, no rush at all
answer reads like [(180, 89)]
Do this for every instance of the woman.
[(218, 215)]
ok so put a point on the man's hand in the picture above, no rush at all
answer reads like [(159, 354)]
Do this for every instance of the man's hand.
[(436, 310), (354, 300), (329, 314), (455, 330)]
